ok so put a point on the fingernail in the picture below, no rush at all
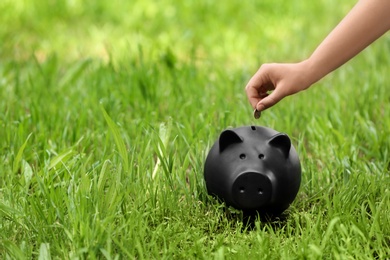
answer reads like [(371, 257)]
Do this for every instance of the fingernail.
[(260, 107)]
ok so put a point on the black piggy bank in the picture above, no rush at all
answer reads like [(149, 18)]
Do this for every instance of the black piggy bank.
[(254, 169)]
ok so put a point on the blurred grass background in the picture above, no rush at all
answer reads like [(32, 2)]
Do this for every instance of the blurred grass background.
[(236, 32), (109, 108)]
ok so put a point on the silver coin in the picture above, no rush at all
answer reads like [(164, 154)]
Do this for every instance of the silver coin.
[(257, 114)]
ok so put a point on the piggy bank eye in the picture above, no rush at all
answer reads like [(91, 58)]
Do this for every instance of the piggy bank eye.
[(242, 156), (261, 156)]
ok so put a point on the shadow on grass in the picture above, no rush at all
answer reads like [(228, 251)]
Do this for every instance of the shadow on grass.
[(254, 220), (258, 220)]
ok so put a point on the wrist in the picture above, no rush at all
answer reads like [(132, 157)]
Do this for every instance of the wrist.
[(311, 71)]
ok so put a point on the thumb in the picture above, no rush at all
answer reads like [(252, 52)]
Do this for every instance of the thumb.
[(269, 100)]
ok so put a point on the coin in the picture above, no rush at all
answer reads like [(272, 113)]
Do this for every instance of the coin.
[(257, 114)]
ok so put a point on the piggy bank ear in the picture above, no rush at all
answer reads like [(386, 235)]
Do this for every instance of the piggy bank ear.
[(227, 138), (281, 142)]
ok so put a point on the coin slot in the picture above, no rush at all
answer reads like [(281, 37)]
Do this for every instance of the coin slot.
[(261, 156), (242, 156)]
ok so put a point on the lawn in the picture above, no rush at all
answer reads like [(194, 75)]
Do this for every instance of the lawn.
[(109, 108)]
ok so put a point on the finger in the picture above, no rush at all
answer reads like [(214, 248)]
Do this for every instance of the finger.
[(257, 88), (252, 94), (263, 95), (269, 100)]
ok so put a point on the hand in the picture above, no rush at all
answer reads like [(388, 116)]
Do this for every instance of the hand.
[(366, 22), (282, 79)]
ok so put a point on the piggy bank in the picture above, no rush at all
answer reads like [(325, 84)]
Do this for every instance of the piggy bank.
[(254, 169)]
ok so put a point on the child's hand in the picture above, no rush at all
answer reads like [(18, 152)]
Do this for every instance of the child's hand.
[(282, 79), (365, 23)]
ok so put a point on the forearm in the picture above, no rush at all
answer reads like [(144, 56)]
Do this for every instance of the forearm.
[(365, 23)]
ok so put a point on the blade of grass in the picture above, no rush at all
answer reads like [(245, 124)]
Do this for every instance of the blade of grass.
[(44, 252), (163, 135), (13, 250), (120, 144), (18, 158)]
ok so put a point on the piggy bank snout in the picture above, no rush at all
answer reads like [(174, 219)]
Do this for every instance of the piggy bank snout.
[(251, 190)]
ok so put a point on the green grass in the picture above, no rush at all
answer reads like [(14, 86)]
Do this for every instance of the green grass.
[(109, 108)]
